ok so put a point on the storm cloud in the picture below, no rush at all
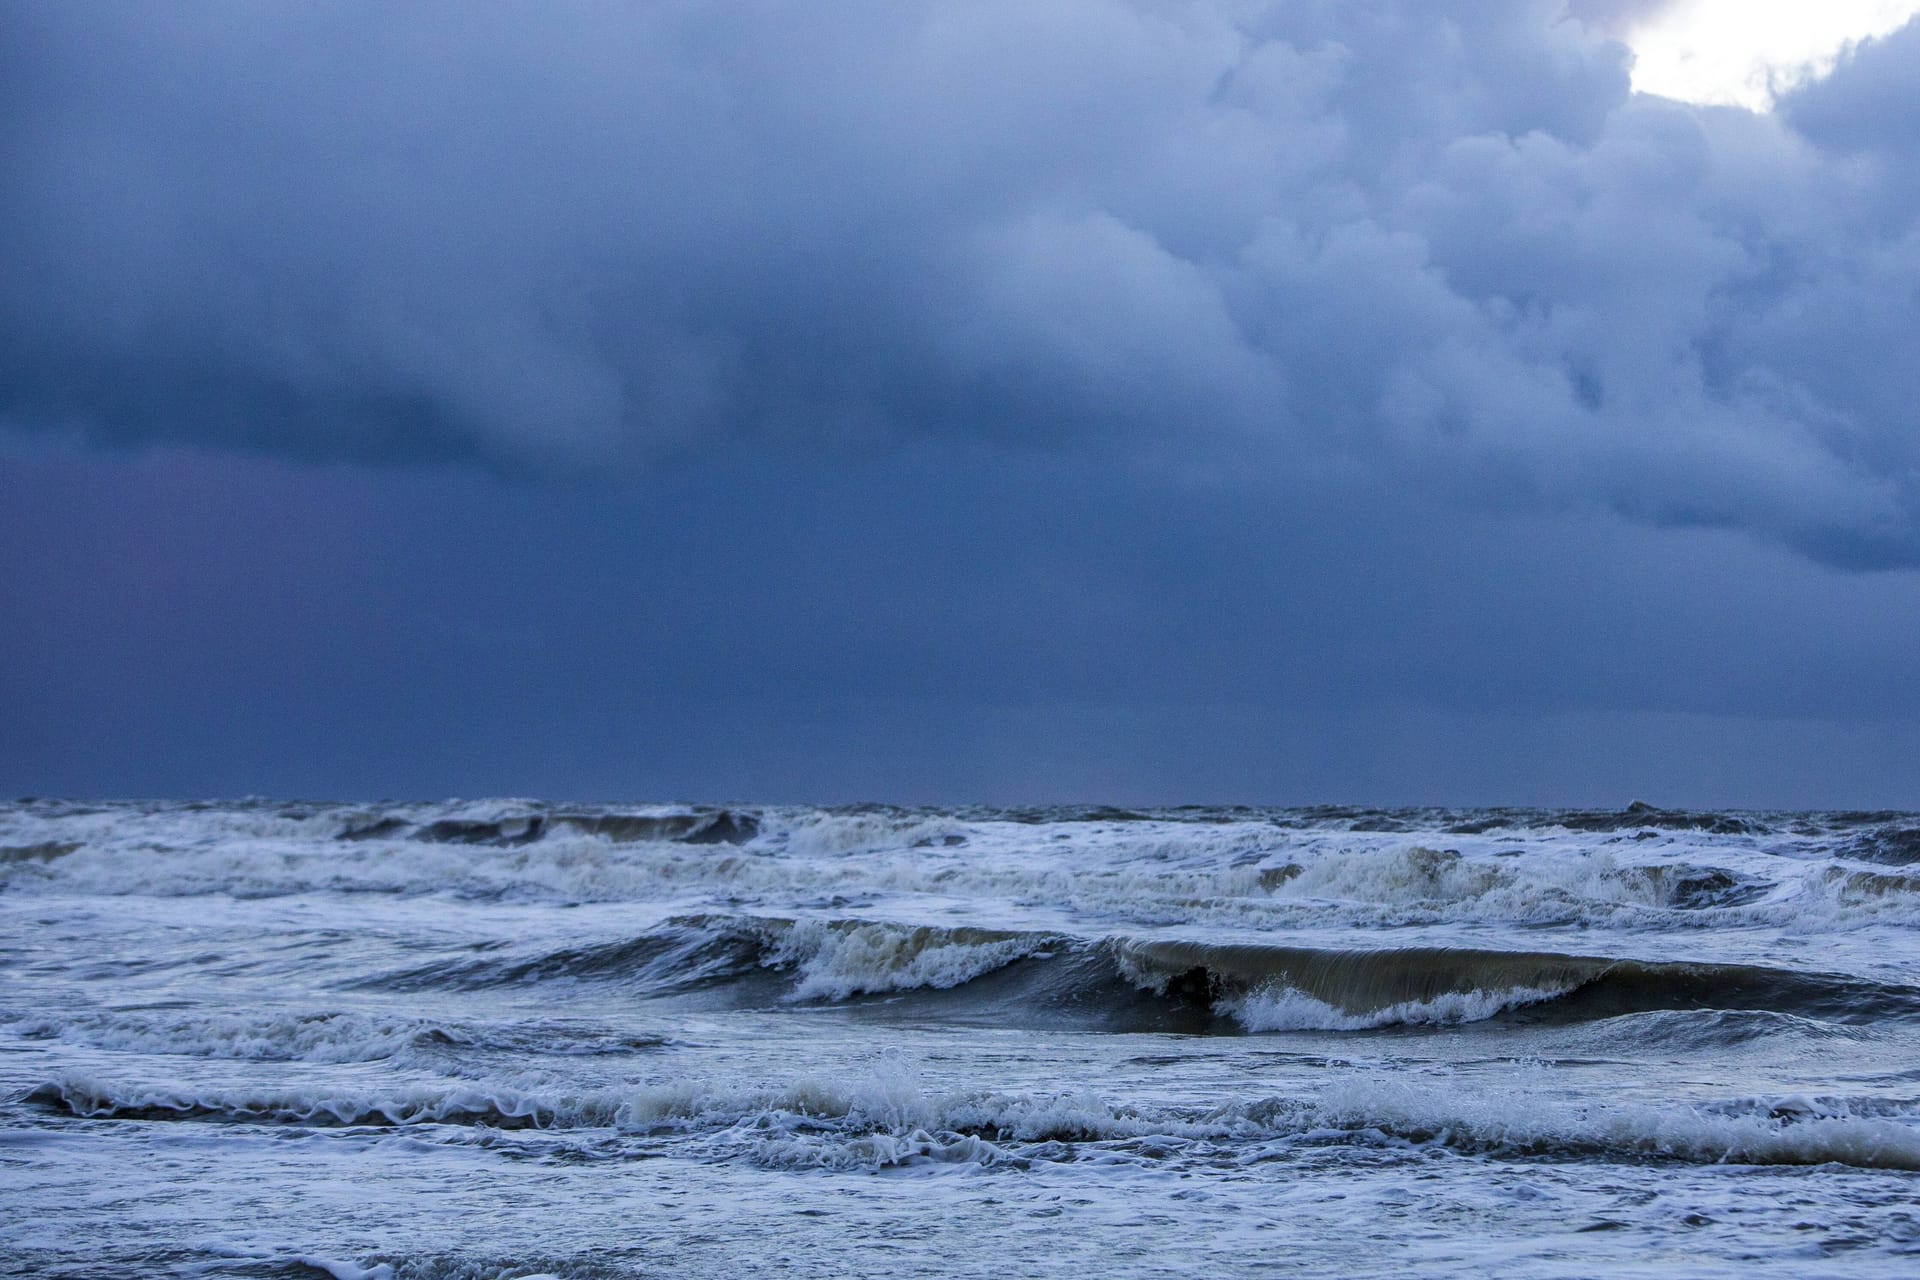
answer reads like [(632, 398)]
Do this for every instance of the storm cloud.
[(1443, 247)]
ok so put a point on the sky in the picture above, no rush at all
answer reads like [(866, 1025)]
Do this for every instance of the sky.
[(1742, 53), (1372, 401)]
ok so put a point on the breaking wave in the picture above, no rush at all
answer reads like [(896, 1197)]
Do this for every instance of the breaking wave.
[(839, 960), (1271, 988), (1239, 868), (826, 959), (886, 1119), (1020, 978)]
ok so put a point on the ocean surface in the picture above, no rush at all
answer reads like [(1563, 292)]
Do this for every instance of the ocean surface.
[(508, 1038)]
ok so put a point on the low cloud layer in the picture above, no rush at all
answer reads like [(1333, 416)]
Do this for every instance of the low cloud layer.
[(1438, 245)]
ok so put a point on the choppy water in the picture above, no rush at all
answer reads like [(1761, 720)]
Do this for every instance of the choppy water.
[(506, 1038)]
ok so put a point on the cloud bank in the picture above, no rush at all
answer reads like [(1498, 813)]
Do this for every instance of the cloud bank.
[(1437, 245)]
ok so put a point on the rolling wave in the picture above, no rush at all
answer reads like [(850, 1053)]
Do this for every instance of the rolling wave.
[(1382, 986), (888, 1120), (1019, 978)]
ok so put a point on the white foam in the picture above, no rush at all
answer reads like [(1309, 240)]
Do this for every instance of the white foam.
[(405, 1104), (1526, 1119), (826, 834), (1288, 1009), (268, 1036), (1141, 873), (888, 1118), (341, 1270), (841, 960)]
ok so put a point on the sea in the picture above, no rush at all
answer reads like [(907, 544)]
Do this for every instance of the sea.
[(510, 1038)]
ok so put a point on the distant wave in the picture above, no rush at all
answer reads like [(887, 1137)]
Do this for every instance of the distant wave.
[(1236, 868), (700, 826)]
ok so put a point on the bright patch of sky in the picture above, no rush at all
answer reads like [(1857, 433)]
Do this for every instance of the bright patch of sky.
[(1746, 52)]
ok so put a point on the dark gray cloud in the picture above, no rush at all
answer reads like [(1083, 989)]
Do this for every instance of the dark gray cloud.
[(1438, 245)]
